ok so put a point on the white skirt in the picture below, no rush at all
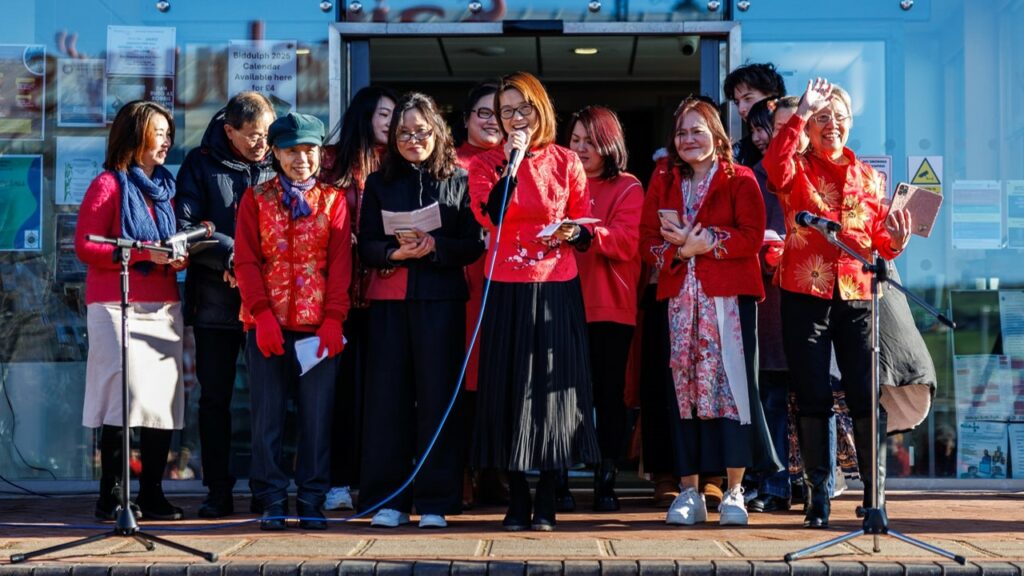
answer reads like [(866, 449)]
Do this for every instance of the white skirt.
[(155, 386)]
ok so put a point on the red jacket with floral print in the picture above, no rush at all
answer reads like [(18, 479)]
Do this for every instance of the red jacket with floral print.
[(551, 186), (850, 194), (299, 269), (733, 210)]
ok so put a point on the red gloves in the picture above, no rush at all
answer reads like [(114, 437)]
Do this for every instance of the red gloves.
[(330, 338), (773, 254), (268, 334)]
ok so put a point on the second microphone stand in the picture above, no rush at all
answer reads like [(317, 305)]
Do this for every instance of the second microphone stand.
[(876, 523), (125, 526)]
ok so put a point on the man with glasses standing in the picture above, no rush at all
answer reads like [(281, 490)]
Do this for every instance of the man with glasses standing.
[(232, 157)]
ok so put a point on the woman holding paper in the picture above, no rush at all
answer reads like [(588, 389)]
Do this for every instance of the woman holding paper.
[(702, 227), (610, 274), (293, 262), (535, 403), (826, 292), (417, 226)]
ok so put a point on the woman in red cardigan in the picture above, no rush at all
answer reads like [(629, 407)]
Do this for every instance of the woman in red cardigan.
[(293, 262), (133, 199), (610, 274), (702, 227), (534, 407)]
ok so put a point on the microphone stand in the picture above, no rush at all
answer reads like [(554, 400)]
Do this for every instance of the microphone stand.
[(876, 522), (126, 524)]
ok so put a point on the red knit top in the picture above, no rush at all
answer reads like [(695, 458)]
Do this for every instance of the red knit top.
[(100, 214), (552, 186)]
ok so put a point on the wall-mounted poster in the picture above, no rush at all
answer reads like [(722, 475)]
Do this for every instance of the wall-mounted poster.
[(22, 91), (977, 215), (264, 66), (140, 51), (68, 268), (21, 212), (983, 383), (1017, 449), (123, 89), (79, 160), (1015, 213), (981, 450), (81, 88)]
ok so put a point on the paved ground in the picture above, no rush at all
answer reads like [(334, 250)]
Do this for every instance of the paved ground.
[(986, 528)]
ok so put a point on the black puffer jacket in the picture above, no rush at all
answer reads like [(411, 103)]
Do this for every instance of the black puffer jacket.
[(210, 185)]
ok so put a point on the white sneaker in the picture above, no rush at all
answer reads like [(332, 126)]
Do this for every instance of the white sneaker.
[(338, 498), (433, 521), (389, 518), (687, 509), (733, 508)]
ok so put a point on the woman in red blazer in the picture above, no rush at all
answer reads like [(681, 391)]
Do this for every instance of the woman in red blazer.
[(702, 227)]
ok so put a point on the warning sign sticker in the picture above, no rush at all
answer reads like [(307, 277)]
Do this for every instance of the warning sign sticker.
[(926, 172)]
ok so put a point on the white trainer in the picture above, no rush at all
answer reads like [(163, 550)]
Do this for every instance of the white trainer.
[(687, 509), (389, 518), (733, 508), (338, 498), (433, 521)]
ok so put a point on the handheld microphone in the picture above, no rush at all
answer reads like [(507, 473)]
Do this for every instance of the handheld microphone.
[(179, 243), (823, 225), (515, 158)]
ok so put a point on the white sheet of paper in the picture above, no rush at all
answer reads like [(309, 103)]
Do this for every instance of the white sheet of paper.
[(305, 353), (772, 236), (426, 219), (551, 228)]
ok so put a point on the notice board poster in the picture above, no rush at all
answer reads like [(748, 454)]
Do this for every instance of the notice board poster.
[(22, 91), (21, 212)]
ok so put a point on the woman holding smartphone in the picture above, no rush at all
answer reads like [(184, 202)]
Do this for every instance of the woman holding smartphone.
[(417, 318)]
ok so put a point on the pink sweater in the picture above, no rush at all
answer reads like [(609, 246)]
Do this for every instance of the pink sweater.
[(100, 214)]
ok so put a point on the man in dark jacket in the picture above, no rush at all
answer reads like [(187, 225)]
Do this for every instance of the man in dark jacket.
[(746, 86), (233, 157)]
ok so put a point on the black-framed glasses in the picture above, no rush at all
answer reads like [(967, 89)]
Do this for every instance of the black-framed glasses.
[(483, 113), (419, 135), (524, 110)]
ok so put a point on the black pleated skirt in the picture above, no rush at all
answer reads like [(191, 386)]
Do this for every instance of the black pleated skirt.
[(534, 398)]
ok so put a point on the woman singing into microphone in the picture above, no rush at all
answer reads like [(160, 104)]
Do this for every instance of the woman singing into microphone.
[(534, 405)]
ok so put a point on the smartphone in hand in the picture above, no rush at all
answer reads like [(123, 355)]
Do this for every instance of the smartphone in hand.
[(671, 216), (407, 235)]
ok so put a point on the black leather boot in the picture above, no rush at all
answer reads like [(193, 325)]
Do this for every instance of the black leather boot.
[(110, 479), (518, 516), (154, 446), (605, 499), (813, 435), (564, 500), (862, 441), (544, 501)]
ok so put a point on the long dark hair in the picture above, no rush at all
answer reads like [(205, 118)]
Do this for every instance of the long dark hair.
[(442, 162), (355, 154), (760, 116)]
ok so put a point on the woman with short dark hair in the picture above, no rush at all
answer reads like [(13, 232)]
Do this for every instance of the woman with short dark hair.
[(417, 319), (133, 198)]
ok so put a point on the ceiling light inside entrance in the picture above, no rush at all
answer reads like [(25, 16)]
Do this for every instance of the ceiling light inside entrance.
[(584, 51)]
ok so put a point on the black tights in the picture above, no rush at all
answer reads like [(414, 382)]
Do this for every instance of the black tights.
[(154, 445)]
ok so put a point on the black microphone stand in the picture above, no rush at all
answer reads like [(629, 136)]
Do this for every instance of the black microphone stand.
[(126, 524), (876, 522)]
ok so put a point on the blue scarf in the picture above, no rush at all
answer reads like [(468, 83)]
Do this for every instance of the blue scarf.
[(136, 221), (294, 197)]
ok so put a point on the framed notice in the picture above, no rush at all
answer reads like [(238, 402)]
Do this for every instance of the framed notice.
[(21, 211), (22, 91), (79, 161), (140, 51), (81, 88)]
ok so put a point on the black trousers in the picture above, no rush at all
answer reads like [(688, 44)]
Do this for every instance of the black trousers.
[(609, 352), (811, 326), (216, 362), (415, 352), (655, 413), (347, 428)]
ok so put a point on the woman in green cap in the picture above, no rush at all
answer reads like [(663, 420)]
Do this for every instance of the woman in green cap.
[(293, 264)]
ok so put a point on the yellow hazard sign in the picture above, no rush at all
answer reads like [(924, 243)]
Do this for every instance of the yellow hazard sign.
[(926, 171)]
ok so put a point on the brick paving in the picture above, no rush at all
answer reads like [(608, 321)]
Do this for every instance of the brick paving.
[(987, 528)]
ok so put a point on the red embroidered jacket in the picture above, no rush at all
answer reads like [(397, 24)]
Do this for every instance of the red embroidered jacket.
[(733, 210), (610, 270), (300, 269), (850, 194), (552, 186)]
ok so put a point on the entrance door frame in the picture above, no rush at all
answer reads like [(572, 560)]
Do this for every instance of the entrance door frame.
[(349, 49)]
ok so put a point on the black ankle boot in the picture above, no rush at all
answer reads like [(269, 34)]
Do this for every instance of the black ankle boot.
[(814, 438), (110, 480), (605, 499), (544, 502), (862, 441), (564, 501), (518, 516), (154, 445)]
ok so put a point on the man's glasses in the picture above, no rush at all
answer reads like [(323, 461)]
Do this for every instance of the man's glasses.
[(524, 110), (483, 113), (418, 136), (824, 119)]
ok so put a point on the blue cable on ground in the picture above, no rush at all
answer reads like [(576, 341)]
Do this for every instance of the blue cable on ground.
[(390, 497)]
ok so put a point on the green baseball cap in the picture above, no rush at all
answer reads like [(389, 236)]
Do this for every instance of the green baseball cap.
[(294, 129)]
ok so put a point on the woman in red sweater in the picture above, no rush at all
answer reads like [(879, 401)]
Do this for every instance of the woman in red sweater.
[(133, 199), (702, 227), (534, 405), (610, 275), (293, 262)]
